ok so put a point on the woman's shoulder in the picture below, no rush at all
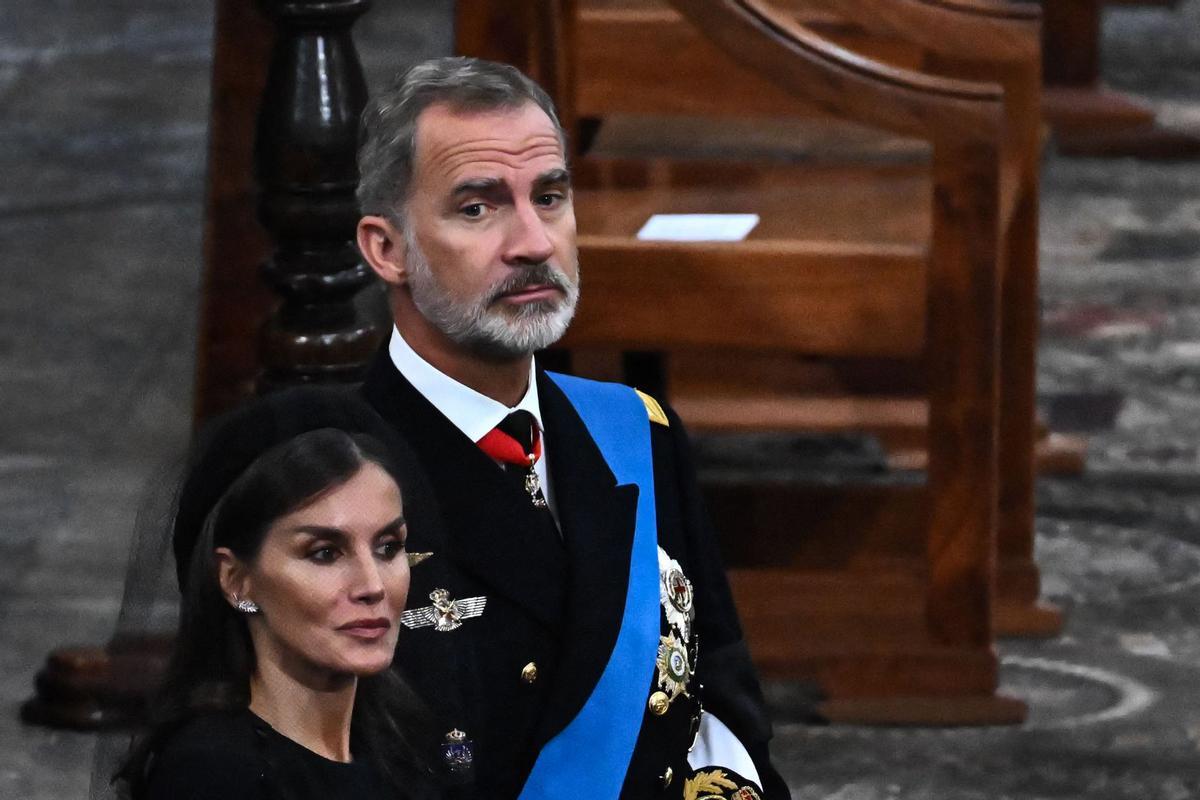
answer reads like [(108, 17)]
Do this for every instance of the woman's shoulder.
[(216, 755)]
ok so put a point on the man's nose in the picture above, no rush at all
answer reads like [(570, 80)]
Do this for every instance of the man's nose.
[(528, 239)]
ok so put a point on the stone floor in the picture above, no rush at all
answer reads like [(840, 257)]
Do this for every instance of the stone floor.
[(102, 130)]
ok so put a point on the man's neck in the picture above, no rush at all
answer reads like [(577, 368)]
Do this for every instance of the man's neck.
[(503, 381)]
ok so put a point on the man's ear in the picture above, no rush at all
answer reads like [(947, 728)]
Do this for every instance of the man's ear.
[(233, 576), (382, 247)]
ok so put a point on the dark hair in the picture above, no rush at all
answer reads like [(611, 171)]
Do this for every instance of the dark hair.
[(213, 660), (387, 135)]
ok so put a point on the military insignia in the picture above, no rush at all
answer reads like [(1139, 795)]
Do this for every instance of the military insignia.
[(458, 752), (718, 784), (417, 558), (708, 785), (673, 668), (653, 410), (446, 614), (675, 593)]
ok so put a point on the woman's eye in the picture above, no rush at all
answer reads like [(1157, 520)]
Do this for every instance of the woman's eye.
[(389, 549), (323, 555)]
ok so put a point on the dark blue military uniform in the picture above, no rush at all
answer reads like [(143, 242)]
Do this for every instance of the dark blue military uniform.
[(515, 676)]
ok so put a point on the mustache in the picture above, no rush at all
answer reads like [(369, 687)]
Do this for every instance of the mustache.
[(541, 274)]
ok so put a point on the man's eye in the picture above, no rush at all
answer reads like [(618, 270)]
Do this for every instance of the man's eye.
[(550, 199), (474, 210), (389, 549)]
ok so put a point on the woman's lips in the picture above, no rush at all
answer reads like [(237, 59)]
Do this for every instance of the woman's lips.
[(367, 628)]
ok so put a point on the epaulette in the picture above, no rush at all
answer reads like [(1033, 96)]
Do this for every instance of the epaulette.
[(653, 409)]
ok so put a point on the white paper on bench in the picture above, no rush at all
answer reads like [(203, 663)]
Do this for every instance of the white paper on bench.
[(698, 227)]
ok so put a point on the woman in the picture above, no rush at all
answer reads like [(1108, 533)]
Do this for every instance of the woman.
[(289, 545)]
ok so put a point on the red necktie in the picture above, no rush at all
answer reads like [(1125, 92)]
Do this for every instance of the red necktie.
[(517, 444)]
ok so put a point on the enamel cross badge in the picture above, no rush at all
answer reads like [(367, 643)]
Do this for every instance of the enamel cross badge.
[(675, 593)]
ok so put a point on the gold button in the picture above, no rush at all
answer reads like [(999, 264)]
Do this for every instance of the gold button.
[(529, 673), (667, 777), (659, 703)]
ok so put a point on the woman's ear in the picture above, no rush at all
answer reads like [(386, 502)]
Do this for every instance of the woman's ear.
[(382, 247), (233, 576)]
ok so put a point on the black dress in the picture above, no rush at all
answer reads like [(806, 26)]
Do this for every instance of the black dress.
[(237, 756)]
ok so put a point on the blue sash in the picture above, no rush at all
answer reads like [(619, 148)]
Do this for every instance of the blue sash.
[(590, 756)]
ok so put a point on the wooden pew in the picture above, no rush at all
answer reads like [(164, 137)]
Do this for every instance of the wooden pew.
[(613, 93), (1088, 118), (896, 627)]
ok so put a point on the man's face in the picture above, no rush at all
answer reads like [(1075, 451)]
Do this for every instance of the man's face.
[(490, 230)]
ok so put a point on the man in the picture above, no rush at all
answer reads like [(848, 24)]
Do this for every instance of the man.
[(579, 636)]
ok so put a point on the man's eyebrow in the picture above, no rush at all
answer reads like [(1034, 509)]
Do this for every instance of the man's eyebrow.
[(478, 186), (558, 175)]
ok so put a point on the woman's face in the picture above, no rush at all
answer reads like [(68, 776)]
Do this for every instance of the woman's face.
[(331, 580)]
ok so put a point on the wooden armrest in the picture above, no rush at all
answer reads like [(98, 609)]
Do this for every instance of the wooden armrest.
[(969, 29), (844, 83)]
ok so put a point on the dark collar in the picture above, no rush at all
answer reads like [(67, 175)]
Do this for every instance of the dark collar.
[(490, 530)]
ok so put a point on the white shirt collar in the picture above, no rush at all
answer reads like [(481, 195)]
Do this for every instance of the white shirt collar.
[(471, 412)]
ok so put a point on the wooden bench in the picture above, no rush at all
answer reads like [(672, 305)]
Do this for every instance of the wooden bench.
[(892, 609), (616, 100)]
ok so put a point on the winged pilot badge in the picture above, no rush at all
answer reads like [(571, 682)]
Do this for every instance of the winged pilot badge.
[(446, 613)]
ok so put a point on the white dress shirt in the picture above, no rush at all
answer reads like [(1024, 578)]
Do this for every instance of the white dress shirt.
[(471, 412)]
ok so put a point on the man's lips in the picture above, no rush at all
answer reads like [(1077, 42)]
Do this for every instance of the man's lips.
[(531, 293), (367, 628)]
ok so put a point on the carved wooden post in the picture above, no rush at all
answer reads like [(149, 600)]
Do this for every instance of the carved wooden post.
[(305, 163)]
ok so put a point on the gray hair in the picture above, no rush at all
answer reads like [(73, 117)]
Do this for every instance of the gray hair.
[(387, 136)]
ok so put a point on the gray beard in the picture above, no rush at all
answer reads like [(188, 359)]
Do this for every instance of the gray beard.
[(495, 334)]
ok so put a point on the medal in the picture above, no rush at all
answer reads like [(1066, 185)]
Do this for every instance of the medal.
[(675, 595), (457, 753), (534, 486), (673, 668), (679, 590)]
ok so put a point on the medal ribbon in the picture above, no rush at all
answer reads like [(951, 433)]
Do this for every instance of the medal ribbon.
[(592, 753), (507, 450)]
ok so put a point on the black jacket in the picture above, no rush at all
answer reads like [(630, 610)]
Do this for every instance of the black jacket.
[(558, 605)]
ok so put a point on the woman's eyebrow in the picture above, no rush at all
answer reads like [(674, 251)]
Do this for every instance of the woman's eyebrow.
[(321, 532), (392, 527)]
